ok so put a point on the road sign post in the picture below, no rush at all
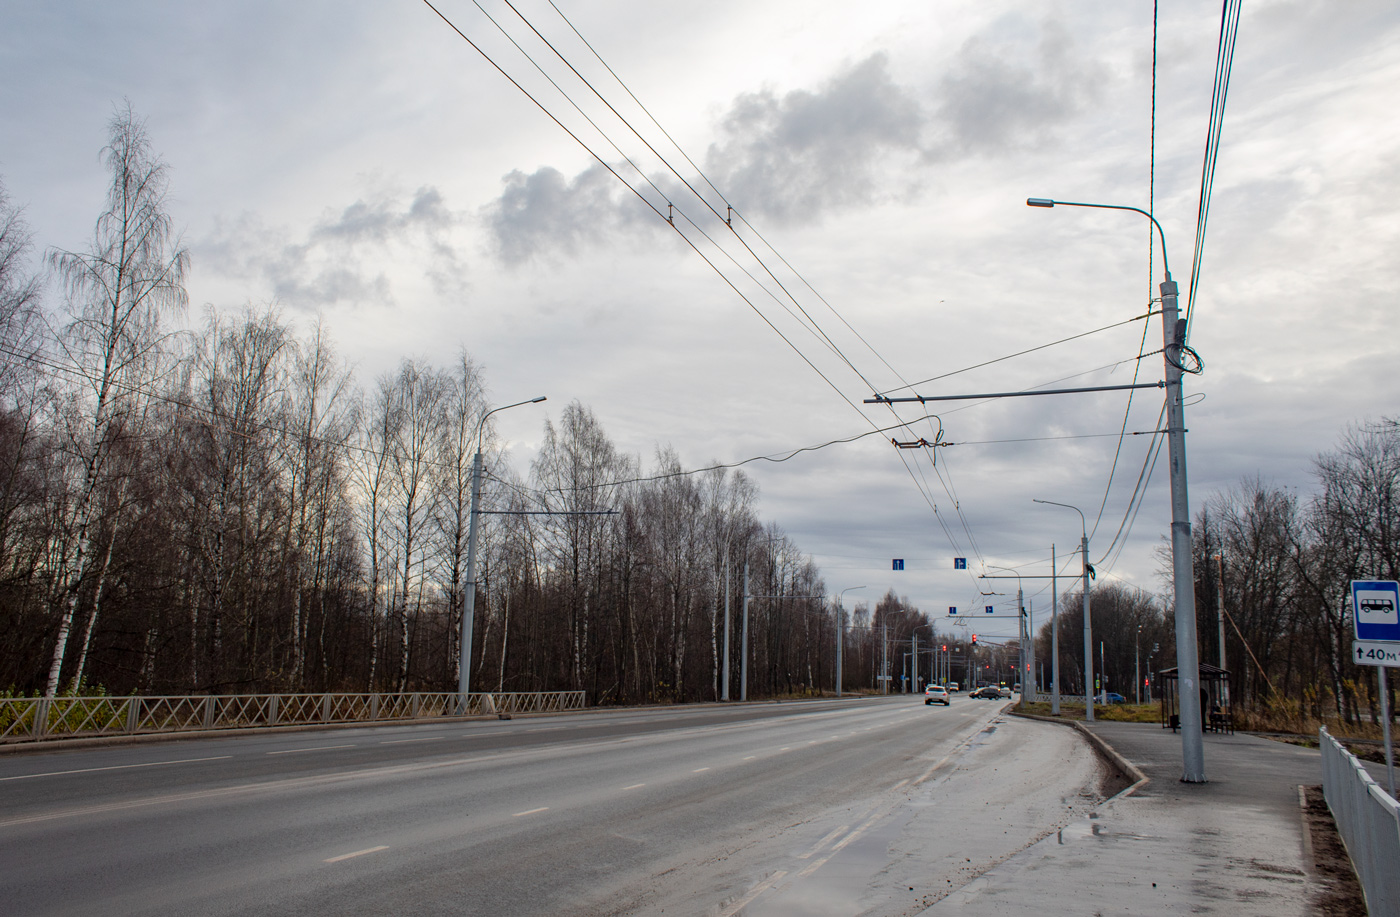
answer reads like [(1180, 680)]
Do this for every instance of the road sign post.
[(1375, 613)]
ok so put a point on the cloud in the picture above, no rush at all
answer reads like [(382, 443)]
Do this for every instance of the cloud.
[(989, 102), (545, 214), (346, 257), (797, 156)]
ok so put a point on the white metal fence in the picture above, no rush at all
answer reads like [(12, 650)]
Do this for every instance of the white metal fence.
[(33, 718), (1368, 820)]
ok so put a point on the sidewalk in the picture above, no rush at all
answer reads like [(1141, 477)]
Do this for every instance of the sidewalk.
[(1234, 845)]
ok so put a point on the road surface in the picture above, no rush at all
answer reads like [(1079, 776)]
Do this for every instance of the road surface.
[(860, 805)]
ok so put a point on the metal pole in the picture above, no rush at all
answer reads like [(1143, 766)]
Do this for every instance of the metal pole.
[(1103, 676), (1183, 579), (1137, 670), (744, 642), (464, 654), (1385, 719), (1088, 635), (840, 638), (914, 687), (464, 627), (885, 659), (1220, 618), (724, 691), (1054, 636)]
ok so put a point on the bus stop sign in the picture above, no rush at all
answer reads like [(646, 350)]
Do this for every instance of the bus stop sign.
[(1375, 607)]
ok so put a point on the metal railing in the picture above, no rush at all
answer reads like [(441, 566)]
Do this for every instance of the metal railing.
[(27, 719), (1368, 820)]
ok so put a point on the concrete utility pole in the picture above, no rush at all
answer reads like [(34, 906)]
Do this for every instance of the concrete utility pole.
[(468, 620), (744, 641), (841, 631), (724, 690), (885, 659), (1220, 616), (1188, 666), (1054, 635), (1088, 618)]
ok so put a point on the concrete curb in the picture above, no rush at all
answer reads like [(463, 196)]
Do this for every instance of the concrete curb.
[(1108, 752)]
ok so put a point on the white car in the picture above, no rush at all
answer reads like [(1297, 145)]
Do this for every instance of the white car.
[(936, 694)]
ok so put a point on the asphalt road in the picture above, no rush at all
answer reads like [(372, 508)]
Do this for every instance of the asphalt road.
[(594, 813)]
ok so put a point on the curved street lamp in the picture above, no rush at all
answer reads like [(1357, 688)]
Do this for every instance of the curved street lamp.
[(1183, 577), (464, 654), (1022, 672)]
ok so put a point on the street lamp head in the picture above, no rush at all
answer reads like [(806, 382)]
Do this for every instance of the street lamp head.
[(1039, 202), (538, 400)]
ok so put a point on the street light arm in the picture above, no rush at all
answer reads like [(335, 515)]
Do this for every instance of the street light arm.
[(1083, 526), (481, 424), (1047, 202)]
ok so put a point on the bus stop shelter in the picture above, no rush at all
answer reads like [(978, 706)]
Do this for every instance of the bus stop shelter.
[(1216, 715)]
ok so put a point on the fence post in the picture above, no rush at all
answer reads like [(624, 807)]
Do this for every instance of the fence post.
[(374, 706), (272, 710), (325, 708), (133, 714), (413, 705)]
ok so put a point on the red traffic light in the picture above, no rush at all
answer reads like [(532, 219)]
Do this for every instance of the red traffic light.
[(974, 639)]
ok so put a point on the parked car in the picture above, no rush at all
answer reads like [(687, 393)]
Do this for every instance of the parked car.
[(1112, 698), (936, 694), (989, 692)]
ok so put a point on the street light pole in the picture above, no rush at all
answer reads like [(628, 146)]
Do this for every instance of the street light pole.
[(464, 631), (1054, 634), (1183, 577), (841, 631), (1088, 625)]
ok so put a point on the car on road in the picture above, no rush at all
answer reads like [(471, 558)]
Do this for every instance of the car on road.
[(936, 694), (952, 686), (988, 692), (1112, 698)]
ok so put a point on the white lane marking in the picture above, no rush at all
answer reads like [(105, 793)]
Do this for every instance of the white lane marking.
[(785, 748), (823, 842), (758, 889), (699, 770), (296, 751), (750, 757), (402, 741), (899, 784), (114, 767), (635, 786), (357, 853), (531, 811), (841, 844)]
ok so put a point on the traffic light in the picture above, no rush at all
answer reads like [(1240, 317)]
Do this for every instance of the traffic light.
[(974, 639), (945, 648)]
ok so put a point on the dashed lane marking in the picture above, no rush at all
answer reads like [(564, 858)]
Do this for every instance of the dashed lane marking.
[(531, 811), (635, 786), (357, 853), (297, 751), (402, 741), (757, 890), (699, 770)]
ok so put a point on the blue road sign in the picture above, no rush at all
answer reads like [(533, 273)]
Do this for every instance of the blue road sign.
[(897, 564), (989, 609), (1375, 608), (959, 563), (952, 610)]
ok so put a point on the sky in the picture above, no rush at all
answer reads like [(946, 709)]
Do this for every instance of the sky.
[(361, 162)]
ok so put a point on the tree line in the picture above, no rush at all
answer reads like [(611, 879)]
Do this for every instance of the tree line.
[(1279, 564), (225, 510)]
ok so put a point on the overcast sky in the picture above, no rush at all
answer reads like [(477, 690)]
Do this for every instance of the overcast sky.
[(361, 161)]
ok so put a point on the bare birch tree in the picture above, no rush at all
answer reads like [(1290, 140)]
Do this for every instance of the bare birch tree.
[(119, 294)]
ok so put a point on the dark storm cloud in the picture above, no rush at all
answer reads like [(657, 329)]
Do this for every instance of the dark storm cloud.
[(333, 264)]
